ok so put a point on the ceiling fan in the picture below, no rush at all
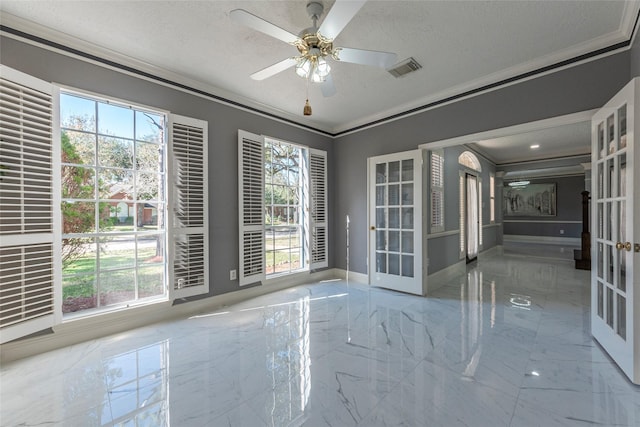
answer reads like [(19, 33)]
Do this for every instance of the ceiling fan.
[(315, 45)]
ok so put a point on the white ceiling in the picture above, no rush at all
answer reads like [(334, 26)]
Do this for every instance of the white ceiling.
[(461, 45), (565, 140)]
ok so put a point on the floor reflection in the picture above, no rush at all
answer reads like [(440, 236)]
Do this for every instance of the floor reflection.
[(138, 386), (288, 360), (471, 324), (504, 343)]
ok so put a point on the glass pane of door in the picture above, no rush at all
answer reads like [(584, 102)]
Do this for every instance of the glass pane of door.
[(394, 218), (615, 214), (472, 217), (395, 193)]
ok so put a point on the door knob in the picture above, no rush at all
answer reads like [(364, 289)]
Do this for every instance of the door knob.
[(619, 246), (373, 227), (636, 247), (627, 246)]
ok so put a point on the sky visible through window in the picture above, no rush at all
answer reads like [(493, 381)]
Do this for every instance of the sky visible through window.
[(115, 120)]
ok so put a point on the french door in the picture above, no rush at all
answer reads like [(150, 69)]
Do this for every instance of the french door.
[(472, 217), (395, 218), (615, 283)]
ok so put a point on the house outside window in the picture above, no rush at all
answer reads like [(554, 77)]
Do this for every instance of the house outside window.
[(113, 203)]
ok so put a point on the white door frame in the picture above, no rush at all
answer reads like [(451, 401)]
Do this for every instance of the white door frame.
[(416, 284)]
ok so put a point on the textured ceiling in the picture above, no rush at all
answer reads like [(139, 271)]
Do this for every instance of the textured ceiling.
[(461, 45)]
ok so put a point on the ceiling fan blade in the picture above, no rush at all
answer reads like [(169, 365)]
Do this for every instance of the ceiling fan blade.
[(274, 69), (339, 16), (327, 87), (247, 19), (366, 57)]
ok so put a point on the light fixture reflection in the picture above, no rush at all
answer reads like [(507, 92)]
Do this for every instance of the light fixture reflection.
[(520, 301)]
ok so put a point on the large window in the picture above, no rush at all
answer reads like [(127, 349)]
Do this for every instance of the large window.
[(284, 195), (282, 202), (113, 203), (90, 207)]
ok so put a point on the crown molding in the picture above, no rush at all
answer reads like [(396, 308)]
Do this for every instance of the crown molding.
[(44, 37), (600, 47)]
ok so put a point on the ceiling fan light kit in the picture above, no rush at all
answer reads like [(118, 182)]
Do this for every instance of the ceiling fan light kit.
[(315, 45), (313, 66)]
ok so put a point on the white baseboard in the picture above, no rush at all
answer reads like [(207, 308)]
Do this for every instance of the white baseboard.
[(442, 277), (88, 328), (353, 276), (551, 240), (488, 252)]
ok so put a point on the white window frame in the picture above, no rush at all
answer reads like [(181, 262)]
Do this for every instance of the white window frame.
[(304, 224), (97, 98), (436, 188), (251, 187)]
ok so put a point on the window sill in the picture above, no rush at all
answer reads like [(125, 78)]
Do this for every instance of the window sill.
[(113, 310), (287, 277)]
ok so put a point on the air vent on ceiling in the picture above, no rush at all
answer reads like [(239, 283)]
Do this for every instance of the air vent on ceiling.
[(405, 67)]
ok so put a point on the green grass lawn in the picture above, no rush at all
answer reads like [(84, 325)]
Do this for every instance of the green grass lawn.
[(79, 277)]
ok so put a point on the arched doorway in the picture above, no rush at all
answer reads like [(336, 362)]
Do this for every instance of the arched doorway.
[(470, 206)]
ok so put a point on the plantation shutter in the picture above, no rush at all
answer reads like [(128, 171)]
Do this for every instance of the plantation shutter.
[(29, 214), (479, 213), (437, 191), (251, 207), (189, 211), (318, 203)]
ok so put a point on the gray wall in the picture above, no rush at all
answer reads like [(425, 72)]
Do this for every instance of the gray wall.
[(578, 88), (224, 122), (568, 208)]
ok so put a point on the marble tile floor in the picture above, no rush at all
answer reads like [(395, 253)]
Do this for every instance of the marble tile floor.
[(541, 250), (506, 343)]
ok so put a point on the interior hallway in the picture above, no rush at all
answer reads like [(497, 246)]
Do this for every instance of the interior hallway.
[(506, 344)]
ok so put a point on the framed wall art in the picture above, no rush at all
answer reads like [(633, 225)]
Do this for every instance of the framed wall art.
[(524, 199)]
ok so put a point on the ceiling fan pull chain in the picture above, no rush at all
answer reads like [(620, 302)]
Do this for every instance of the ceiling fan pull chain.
[(307, 108)]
